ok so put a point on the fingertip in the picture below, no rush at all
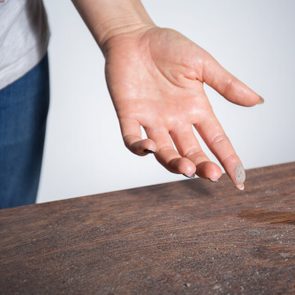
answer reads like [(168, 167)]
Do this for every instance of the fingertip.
[(147, 151), (241, 94), (185, 166), (209, 170), (258, 100), (250, 101), (148, 146), (143, 147), (261, 100), (236, 171)]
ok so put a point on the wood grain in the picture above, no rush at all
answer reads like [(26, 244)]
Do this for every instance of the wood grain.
[(184, 237)]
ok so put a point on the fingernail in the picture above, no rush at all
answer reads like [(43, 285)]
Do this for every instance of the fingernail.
[(148, 151), (261, 101), (213, 179), (240, 176), (241, 187), (192, 176)]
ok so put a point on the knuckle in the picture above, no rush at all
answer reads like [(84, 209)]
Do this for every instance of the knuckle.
[(231, 155), (197, 156), (192, 151), (164, 148), (228, 85), (220, 138)]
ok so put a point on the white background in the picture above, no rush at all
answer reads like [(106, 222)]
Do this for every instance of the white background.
[(84, 151)]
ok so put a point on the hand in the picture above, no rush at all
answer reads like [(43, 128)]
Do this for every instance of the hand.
[(155, 77)]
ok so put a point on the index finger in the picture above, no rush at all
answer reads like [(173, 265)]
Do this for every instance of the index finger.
[(218, 142)]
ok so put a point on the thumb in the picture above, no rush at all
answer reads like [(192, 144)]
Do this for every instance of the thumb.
[(228, 85)]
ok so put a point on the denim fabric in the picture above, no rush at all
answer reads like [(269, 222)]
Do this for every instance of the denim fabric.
[(23, 113)]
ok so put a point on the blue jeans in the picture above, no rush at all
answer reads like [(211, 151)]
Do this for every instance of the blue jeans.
[(23, 113)]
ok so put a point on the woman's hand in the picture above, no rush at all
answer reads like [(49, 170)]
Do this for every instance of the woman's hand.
[(155, 77)]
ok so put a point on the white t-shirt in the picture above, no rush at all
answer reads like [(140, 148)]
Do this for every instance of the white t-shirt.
[(24, 37)]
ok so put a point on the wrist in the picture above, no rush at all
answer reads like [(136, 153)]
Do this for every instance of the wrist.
[(107, 19), (120, 28)]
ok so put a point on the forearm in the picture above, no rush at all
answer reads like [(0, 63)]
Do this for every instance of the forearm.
[(108, 18)]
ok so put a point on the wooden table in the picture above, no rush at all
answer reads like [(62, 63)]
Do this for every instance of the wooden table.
[(183, 237)]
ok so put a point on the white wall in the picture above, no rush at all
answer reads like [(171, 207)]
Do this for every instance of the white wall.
[(84, 151)]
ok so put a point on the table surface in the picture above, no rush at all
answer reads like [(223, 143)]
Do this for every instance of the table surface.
[(183, 237)]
